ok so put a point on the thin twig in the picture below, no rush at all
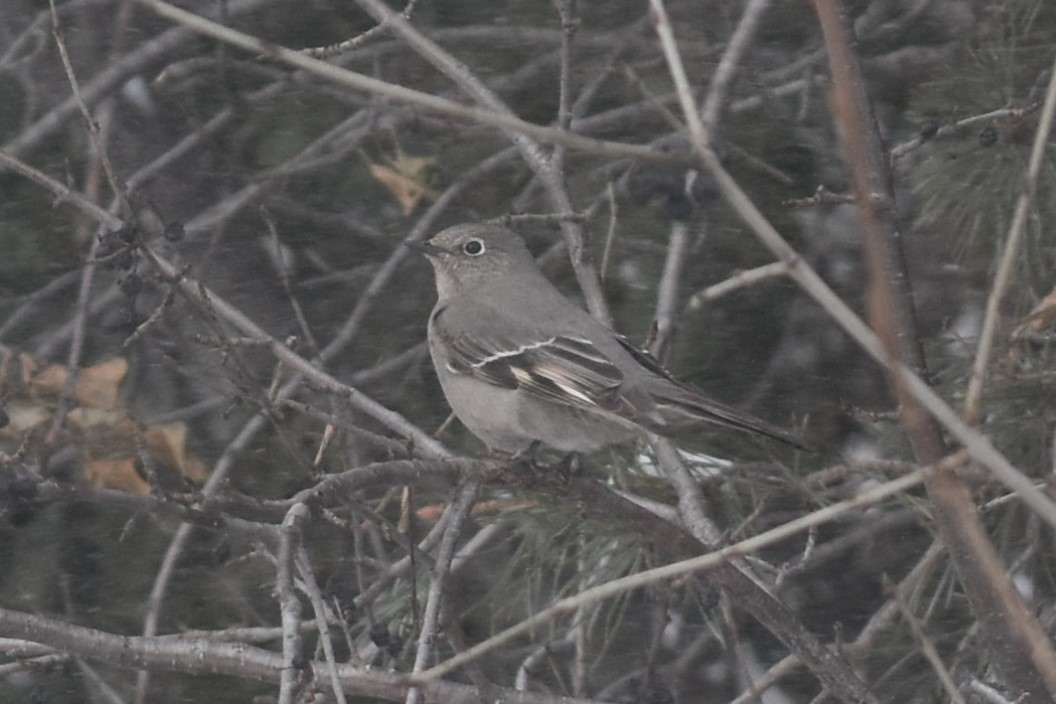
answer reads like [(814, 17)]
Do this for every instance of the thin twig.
[(771, 677), (981, 448), (987, 692), (315, 596), (287, 289), (1021, 649), (711, 560), (101, 692), (739, 280), (955, 128), (610, 232), (537, 658), (138, 61), (678, 243), (927, 648), (54, 286), (821, 195), (722, 79), (698, 131), (197, 291), (325, 52), (668, 290), (552, 180), (1009, 255), (460, 509), (361, 82)]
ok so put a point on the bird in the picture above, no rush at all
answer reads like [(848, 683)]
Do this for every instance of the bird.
[(521, 365)]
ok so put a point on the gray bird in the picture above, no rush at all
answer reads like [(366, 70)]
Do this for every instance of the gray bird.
[(521, 364)]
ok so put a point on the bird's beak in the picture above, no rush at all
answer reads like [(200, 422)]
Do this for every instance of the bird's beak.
[(426, 248)]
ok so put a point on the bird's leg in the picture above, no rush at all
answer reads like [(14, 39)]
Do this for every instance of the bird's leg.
[(527, 460), (568, 465), (528, 457), (524, 465)]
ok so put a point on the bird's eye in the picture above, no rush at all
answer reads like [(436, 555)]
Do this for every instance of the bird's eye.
[(473, 248)]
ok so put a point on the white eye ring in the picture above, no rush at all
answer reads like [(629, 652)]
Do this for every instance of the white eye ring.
[(474, 247)]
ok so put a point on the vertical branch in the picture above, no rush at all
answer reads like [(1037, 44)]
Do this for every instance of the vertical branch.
[(706, 129), (667, 305), (459, 509), (567, 11), (927, 647), (315, 596), (829, 668), (1017, 643), (666, 33), (290, 606), (690, 495), (93, 127), (725, 72), (73, 362), (1011, 251)]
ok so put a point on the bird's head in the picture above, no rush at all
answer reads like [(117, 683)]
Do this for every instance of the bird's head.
[(466, 257)]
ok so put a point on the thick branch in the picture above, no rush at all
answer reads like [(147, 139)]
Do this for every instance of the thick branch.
[(205, 657), (1016, 640)]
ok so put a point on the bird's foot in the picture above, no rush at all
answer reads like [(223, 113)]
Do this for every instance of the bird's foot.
[(569, 465), (529, 456), (528, 464)]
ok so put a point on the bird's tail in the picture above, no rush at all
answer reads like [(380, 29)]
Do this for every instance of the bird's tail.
[(668, 405), (681, 406)]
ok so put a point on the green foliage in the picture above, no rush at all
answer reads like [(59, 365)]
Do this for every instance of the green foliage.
[(967, 187)]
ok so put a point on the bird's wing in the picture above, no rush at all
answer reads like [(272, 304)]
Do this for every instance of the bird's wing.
[(646, 359), (566, 369), (571, 370)]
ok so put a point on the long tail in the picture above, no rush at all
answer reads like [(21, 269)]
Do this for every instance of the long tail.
[(680, 405), (672, 405)]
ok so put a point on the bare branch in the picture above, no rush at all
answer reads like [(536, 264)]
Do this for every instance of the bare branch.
[(1010, 254)]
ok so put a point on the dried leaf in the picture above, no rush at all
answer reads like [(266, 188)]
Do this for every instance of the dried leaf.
[(23, 415), (99, 386), (433, 512), (29, 368), (405, 189), (50, 381), (406, 177), (168, 443), (117, 474), (1044, 313), (97, 418)]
